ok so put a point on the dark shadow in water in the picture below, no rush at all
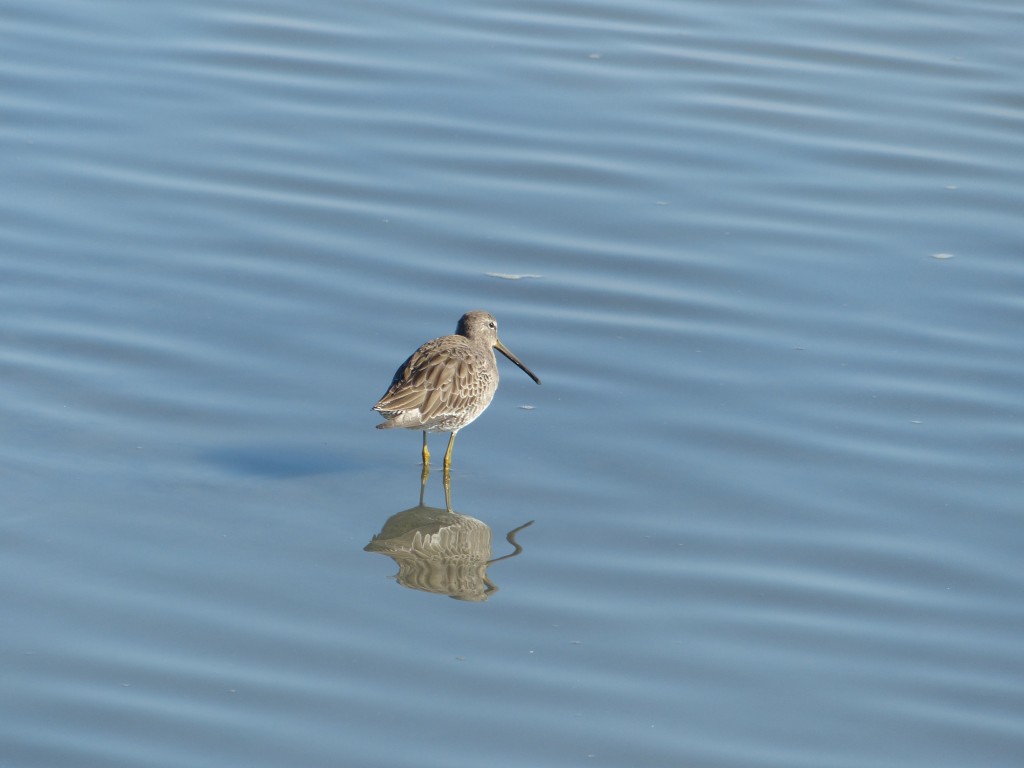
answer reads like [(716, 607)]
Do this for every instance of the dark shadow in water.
[(441, 551), (275, 461)]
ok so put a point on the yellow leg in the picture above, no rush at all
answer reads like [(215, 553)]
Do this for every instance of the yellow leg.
[(426, 453), (448, 453)]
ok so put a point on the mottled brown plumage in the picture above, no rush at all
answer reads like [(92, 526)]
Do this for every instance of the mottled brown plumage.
[(448, 382)]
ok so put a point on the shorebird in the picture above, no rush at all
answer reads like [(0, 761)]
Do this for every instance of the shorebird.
[(447, 383)]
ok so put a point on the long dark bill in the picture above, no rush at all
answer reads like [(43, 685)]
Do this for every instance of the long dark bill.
[(505, 351)]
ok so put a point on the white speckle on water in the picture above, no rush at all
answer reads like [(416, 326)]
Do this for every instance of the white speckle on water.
[(527, 407), (942, 256), (502, 276)]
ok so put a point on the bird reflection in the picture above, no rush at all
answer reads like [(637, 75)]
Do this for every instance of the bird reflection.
[(441, 551)]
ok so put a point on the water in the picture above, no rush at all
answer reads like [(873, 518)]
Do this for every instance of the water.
[(774, 468)]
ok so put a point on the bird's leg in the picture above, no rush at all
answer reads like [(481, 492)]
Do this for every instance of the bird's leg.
[(426, 468), (448, 472), (448, 453)]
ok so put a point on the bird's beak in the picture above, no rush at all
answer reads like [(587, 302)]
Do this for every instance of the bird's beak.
[(505, 351)]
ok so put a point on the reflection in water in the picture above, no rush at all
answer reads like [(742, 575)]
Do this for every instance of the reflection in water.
[(439, 550)]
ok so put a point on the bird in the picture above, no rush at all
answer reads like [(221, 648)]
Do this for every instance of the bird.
[(447, 383)]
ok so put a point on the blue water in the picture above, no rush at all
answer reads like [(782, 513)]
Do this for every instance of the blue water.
[(766, 259)]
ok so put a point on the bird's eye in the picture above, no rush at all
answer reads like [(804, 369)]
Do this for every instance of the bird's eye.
[(492, 325)]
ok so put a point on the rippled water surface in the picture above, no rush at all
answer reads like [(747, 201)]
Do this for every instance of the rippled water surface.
[(766, 258)]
